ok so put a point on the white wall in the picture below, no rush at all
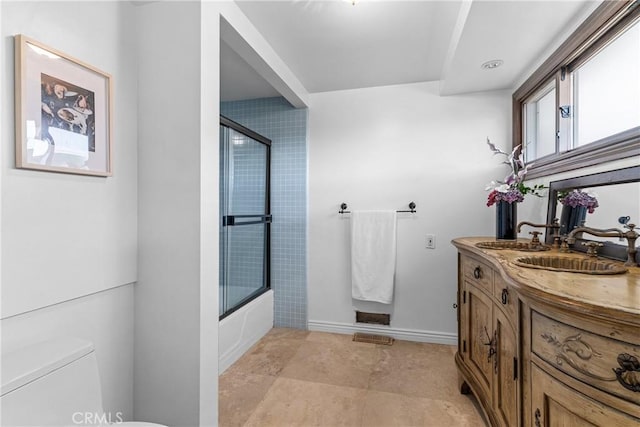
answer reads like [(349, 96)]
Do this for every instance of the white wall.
[(381, 148), (72, 246), (69, 242), (176, 310), (70, 235), (175, 127)]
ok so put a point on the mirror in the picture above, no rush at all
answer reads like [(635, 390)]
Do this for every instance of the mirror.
[(617, 193), (614, 201)]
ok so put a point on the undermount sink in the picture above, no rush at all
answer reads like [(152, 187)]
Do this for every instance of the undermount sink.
[(571, 265), (512, 245)]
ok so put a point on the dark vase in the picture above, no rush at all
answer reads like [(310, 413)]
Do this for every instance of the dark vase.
[(506, 220), (571, 217)]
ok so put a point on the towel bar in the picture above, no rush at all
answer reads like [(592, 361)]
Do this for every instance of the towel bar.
[(412, 208)]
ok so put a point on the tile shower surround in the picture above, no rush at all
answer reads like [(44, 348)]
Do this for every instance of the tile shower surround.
[(286, 126)]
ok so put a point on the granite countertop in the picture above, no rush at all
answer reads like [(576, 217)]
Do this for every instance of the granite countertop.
[(617, 295)]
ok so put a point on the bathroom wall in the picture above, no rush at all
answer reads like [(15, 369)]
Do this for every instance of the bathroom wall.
[(176, 298), (176, 301), (286, 126), (381, 148), (68, 241)]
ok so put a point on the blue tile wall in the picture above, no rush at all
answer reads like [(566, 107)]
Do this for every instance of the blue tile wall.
[(286, 126)]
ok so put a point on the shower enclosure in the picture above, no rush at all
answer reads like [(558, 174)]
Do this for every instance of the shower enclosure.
[(245, 216)]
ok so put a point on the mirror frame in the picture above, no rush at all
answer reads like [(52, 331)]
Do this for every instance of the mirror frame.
[(616, 176)]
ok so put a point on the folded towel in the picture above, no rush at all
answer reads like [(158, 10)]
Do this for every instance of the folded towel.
[(373, 255)]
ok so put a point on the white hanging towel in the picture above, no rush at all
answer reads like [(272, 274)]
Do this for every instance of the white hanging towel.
[(373, 255)]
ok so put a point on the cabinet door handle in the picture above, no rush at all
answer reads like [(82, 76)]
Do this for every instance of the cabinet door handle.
[(537, 415), (505, 296), (477, 272), (492, 352), (628, 374), (490, 340), (493, 348)]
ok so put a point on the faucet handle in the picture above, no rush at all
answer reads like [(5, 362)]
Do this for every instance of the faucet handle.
[(556, 233), (592, 248), (535, 241)]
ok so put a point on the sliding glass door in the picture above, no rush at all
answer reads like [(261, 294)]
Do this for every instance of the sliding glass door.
[(245, 215)]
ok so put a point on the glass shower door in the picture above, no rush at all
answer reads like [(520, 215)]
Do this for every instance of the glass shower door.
[(245, 215)]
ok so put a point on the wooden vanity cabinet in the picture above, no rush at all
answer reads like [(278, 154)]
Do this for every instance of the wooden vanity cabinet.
[(575, 369), (548, 349), (488, 344), (556, 404)]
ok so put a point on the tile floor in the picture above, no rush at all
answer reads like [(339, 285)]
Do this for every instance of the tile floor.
[(300, 378)]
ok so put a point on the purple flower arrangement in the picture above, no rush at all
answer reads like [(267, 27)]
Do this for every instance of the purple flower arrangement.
[(509, 195), (512, 189), (577, 197)]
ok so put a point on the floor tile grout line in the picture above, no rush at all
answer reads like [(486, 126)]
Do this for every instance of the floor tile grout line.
[(258, 404), (373, 366), (332, 340)]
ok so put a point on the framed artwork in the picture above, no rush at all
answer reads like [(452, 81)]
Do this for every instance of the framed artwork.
[(63, 112)]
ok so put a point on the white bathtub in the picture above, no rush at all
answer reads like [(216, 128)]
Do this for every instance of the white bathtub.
[(243, 328)]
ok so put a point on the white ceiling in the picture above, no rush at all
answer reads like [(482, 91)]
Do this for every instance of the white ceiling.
[(334, 45), (238, 80)]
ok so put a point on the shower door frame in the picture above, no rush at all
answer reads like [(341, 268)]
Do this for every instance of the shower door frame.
[(229, 220)]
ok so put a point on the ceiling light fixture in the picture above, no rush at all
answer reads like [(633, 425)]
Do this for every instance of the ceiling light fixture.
[(490, 65)]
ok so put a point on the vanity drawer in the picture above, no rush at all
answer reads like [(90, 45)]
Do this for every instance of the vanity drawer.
[(610, 365), (478, 272)]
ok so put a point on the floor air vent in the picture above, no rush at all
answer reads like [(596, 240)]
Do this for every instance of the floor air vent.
[(372, 339)]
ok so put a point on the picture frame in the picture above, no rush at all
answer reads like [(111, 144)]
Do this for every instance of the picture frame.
[(63, 112)]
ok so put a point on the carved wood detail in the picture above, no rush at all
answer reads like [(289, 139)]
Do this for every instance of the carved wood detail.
[(575, 345)]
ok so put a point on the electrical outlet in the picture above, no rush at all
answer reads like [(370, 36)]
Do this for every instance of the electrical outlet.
[(431, 241)]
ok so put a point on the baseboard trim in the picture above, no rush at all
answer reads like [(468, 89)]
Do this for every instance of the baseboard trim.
[(397, 333)]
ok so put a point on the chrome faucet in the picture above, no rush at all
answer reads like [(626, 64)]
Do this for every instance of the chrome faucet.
[(630, 235), (535, 240)]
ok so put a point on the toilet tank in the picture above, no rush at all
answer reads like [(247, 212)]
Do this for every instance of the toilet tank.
[(54, 383)]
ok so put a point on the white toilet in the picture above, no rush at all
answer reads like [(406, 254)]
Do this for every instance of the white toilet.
[(55, 383)]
